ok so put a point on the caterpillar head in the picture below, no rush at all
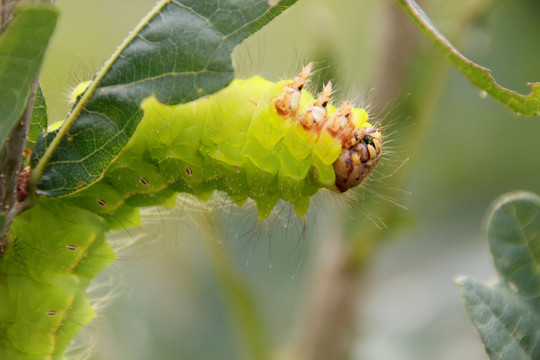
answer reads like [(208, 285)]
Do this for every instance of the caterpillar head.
[(358, 157), (361, 143)]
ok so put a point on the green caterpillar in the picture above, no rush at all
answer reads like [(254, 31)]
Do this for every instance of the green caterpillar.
[(254, 139)]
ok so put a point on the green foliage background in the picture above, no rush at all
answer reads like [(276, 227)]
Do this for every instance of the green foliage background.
[(464, 152)]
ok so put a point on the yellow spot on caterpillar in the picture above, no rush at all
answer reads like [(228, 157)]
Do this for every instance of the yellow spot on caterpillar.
[(55, 126), (78, 91)]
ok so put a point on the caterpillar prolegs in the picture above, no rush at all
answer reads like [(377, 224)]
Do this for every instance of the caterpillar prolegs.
[(254, 139)]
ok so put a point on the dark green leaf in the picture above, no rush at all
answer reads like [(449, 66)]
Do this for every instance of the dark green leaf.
[(509, 327), (179, 52), (22, 46), (38, 122), (514, 239), (480, 76), (507, 315)]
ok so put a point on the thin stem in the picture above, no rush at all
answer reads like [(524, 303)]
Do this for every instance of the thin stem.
[(480, 76), (11, 159), (251, 330)]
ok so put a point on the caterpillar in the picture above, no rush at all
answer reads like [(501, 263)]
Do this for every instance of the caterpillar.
[(254, 139)]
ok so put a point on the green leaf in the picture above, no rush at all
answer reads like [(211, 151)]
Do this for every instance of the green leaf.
[(179, 52), (22, 46), (514, 239), (509, 327), (507, 315), (38, 122), (480, 76)]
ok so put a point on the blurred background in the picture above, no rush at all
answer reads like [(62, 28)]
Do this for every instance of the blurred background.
[(386, 257)]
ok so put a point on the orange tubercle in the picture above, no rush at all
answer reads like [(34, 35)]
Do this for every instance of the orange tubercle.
[(289, 102)]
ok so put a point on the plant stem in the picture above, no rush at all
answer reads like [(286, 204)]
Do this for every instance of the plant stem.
[(250, 327), (6, 7), (11, 159)]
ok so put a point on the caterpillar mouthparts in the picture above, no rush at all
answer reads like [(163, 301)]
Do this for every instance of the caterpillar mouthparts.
[(361, 145)]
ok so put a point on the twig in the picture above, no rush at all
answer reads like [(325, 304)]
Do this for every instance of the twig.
[(11, 159)]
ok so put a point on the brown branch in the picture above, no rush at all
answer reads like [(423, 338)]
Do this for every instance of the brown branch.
[(12, 151), (11, 159), (330, 322), (6, 7)]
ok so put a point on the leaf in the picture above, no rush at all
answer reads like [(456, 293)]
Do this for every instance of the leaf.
[(38, 122), (22, 46), (514, 239), (509, 327), (480, 76), (507, 315), (179, 52)]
